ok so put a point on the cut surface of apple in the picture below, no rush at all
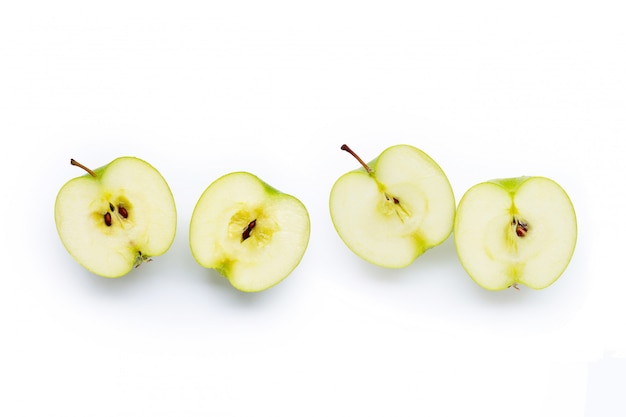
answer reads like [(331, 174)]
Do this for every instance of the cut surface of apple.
[(116, 217), (249, 232), (394, 208), (516, 230)]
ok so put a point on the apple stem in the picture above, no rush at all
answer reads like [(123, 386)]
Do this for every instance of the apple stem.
[(78, 164), (346, 148)]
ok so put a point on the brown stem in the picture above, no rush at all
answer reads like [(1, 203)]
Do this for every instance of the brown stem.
[(346, 148), (78, 164)]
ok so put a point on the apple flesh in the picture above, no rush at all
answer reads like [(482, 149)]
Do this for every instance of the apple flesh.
[(393, 209), (116, 217), (516, 230), (249, 232)]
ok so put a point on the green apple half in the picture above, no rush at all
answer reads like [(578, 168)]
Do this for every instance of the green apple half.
[(393, 209), (249, 232), (116, 217), (516, 230)]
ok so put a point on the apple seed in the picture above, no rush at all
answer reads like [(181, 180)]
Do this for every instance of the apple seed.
[(521, 227), (108, 219), (395, 200), (246, 233)]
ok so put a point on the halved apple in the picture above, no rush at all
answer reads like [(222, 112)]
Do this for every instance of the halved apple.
[(116, 217), (249, 232), (393, 209), (515, 230)]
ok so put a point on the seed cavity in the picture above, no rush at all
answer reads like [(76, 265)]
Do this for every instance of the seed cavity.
[(399, 209), (122, 213), (392, 198), (246, 233), (520, 226)]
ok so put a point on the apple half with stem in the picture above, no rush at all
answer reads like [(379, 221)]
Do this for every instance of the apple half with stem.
[(515, 230), (393, 209), (116, 217), (248, 231)]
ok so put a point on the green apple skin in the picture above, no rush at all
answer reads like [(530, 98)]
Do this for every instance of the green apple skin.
[(393, 212), (515, 231), (116, 217), (248, 231)]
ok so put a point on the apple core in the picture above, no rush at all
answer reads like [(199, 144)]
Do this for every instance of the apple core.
[(392, 205)]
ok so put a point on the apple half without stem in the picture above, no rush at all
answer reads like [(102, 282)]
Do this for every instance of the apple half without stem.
[(515, 230), (393, 209), (116, 217), (248, 231)]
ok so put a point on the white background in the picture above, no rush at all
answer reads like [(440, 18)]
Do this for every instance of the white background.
[(486, 88)]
